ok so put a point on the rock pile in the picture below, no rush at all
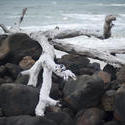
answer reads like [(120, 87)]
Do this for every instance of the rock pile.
[(96, 98)]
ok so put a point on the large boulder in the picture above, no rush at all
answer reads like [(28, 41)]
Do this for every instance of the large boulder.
[(121, 75), (85, 92), (111, 70), (77, 64), (20, 45), (4, 48), (92, 116), (106, 77), (18, 99), (112, 123), (60, 118), (26, 63), (119, 105), (108, 100), (12, 70), (25, 120)]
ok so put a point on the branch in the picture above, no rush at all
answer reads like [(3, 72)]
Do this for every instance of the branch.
[(103, 52), (4, 28), (22, 16), (46, 61)]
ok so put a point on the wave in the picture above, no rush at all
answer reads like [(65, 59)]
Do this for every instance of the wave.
[(115, 5), (92, 17)]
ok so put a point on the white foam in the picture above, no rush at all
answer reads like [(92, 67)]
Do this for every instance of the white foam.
[(116, 5)]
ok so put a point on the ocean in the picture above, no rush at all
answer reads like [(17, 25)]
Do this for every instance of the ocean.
[(44, 14)]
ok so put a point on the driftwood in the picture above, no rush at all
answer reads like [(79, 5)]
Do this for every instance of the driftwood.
[(57, 37)]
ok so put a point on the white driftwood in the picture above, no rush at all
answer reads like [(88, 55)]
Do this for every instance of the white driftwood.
[(46, 61), (97, 49)]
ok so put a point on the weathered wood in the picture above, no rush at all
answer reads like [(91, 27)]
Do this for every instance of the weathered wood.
[(46, 61), (108, 26), (103, 51)]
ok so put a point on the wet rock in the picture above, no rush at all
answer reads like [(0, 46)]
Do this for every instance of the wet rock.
[(60, 118), (13, 70), (5, 79), (53, 109), (55, 92), (26, 63), (1, 114), (106, 77), (2, 81), (75, 63), (85, 92), (112, 123), (20, 46), (4, 48), (121, 75), (22, 79), (25, 120), (2, 121), (111, 70), (18, 99), (3, 70), (114, 85), (119, 105), (92, 116), (95, 66), (108, 100)]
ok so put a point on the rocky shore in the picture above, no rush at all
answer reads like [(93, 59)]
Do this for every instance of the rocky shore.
[(97, 97)]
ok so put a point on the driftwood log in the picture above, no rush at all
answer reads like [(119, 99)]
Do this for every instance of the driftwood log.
[(59, 39)]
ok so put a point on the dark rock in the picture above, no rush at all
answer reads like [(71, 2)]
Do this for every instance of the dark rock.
[(26, 63), (22, 79), (108, 100), (26, 120), (53, 109), (18, 99), (1, 114), (85, 92), (74, 63), (5, 79), (92, 116), (4, 49), (13, 70), (111, 70), (3, 70), (60, 118), (2, 121), (112, 123), (106, 77), (2, 81), (55, 92), (95, 66), (121, 75), (68, 111), (114, 85), (20, 46), (119, 105)]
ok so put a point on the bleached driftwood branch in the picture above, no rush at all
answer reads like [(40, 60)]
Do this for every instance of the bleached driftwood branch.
[(103, 52), (46, 61)]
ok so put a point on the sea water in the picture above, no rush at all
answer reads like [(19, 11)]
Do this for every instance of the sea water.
[(87, 14)]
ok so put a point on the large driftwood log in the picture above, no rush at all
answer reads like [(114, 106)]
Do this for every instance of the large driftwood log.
[(101, 50), (46, 60)]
